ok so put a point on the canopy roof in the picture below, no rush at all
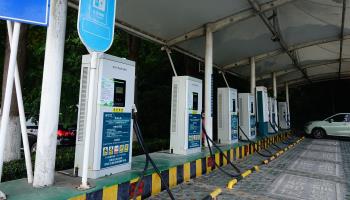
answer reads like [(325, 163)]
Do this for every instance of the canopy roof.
[(314, 33)]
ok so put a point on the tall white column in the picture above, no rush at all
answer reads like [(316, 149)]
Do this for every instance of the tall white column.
[(8, 92), (208, 83), (50, 95), (252, 76), (274, 85)]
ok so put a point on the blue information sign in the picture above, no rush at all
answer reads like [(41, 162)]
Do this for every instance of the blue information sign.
[(25, 11), (96, 23), (194, 131), (234, 127), (115, 139)]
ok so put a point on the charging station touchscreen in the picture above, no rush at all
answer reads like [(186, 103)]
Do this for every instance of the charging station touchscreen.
[(119, 93), (115, 139)]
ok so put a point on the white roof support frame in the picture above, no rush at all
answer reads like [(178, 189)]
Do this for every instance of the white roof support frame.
[(310, 65), (263, 56), (75, 5), (229, 20)]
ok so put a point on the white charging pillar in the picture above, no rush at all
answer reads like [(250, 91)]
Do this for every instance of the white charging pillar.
[(208, 83)]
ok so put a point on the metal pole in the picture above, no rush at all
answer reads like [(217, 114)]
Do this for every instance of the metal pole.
[(208, 83), (274, 85), (93, 66), (50, 95), (22, 117), (8, 92), (287, 101), (252, 76), (223, 76), (168, 52)]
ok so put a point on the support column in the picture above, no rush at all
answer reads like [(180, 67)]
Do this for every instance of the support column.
[(287, 101), (274, 85), (252, 76), (50, 95), (208, 83)]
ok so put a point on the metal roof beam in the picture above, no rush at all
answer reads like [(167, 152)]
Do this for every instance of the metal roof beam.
[(342, 37), (277, 52), (278, 37), (75, 5), (310, 65), (229, 20)]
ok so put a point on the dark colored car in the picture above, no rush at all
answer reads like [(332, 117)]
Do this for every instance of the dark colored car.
[(65, 137)]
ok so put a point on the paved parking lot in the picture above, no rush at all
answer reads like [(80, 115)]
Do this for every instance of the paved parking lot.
[(313, 169)]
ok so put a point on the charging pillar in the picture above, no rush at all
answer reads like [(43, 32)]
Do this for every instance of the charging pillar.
[(186, 119), (227, 117), (246, 102), (112, 97), (262, 110), (208, 83)]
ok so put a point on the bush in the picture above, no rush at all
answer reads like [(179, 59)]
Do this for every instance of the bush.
[(65, 159)]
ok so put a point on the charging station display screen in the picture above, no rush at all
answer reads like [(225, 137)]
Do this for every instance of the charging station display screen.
[(194, 101), (251, 107), (115, 139), (194, 131), (119, 93), (233, 105)]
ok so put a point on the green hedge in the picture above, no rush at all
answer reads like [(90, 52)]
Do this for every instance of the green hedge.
[(65, 159)]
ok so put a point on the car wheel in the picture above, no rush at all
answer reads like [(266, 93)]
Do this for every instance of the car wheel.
[(33, 148), (318, 133)]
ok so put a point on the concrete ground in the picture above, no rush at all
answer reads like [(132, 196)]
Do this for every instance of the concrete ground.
[(313, 169)]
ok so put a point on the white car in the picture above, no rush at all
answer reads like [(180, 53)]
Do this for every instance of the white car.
[(335, 125)]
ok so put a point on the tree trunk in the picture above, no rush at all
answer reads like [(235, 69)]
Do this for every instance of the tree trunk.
[(13, 144)]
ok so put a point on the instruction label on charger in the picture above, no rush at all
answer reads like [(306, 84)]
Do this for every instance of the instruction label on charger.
[(115, 139), (234, 127), (194, 131)]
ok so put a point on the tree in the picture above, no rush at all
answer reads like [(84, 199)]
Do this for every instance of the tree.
[(13, 144)]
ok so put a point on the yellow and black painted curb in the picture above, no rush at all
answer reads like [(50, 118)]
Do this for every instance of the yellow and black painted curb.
[(213, 195), (233, 182), (245, 174), (151, 183)]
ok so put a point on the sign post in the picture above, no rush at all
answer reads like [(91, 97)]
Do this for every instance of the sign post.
[(25, 11), (96, 21)]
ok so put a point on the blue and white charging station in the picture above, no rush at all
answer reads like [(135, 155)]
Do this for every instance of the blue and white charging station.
[(112, 125), (227, 115), (262, 110)]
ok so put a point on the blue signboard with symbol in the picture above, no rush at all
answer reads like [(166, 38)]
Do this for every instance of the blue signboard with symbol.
[(115, 139), (25, 11), (96, 24), (194, 131)]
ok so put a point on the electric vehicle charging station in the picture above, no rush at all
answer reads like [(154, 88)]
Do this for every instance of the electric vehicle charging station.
[(262, 110), (247, 120), (227, 115), (111, 139), (186, 115), (283, 115), (273, 118)]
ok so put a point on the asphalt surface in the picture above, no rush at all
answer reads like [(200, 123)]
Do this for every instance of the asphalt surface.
[(313, 169)]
